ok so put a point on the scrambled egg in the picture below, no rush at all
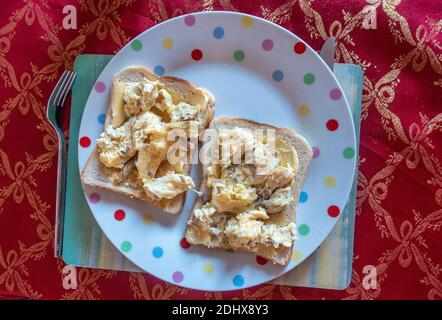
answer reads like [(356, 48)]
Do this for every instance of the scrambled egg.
[(139, 96), (249, 229), (231, 197), (168, 186), (264, 159), (143, 112), (144, 125), (115, 146), (248, 193), (234, 143), (182, 111), (278, 201), (276, 236), (204, 214)]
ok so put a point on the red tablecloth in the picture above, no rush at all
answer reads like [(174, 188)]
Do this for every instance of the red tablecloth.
[(399, 208)]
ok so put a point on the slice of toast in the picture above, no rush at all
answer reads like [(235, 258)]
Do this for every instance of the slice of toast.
[(196, 235), (96, 174)]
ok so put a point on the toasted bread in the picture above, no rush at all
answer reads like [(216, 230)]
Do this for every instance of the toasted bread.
[(96, 174), (281, 255)]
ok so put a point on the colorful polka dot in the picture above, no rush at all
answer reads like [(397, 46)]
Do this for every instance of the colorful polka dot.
[(100, 86), (309, 79), (333, 211), (136, 45), (94, 198), (332, 125), (167, 43), (189, 20), (278, 75), (157, 252), (218, 33), (267, 45), (316, 152), (85, 142), (335, 94), (330, 181), (296, 256), (147, 219), (184, 244), (126, 246), (303, 197), (299, 47), (303, 229), (119, 215), (348, 153), (177, 276), (197, 54), (101, 118), (304, 111), (208, 268), (239, 55), (159, 70), (247, 22), (238, 280), (261, 261)]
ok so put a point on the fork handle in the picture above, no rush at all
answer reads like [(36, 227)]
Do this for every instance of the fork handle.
[(60, 196)]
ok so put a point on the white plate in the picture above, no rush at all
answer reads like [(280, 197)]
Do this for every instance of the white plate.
[(256, 70)]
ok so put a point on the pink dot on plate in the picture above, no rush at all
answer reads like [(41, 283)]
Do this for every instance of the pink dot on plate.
[(177, 276), (94, 197), (100, 86), (189, 20), (267, 44), (335, 94), (315, 152)]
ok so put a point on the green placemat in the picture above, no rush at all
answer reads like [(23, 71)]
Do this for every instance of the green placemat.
[(85, 245)]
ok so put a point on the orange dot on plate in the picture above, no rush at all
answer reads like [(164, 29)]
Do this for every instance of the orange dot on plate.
[(304, 111)]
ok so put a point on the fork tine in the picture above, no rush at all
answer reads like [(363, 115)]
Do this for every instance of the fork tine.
[(60, 84), (62, 88), (68, 87)]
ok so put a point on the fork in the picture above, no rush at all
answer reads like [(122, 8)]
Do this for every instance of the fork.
[(55, 104)]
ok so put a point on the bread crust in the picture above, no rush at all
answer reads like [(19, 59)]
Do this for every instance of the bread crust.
[(95, 174), (281, 255)]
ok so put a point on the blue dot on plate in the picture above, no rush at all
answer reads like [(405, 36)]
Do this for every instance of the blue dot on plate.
[(238, 280), (157, 252), (218, 33), (303, 197), (159, 70), (101, 118), (277, 75)]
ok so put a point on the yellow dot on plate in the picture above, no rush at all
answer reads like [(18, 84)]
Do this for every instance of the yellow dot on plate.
[(167, 43), (247, 22), (147, 219), (208, 267), (330, 181), (296, 256), (304, 111)]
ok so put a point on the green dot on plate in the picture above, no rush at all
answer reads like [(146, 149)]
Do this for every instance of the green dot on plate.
[(126, 246), (239, 55), (348, 153), (136, 45), (303, 229), (309, 78)]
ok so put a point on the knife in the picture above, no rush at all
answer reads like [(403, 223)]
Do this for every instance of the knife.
[(327, 52)]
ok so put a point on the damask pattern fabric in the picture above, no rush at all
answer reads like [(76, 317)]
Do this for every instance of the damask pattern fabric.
[(399, 202)]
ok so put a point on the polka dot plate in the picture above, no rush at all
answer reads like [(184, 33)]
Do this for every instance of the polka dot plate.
[(256, 70)]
